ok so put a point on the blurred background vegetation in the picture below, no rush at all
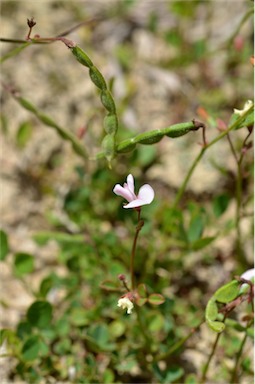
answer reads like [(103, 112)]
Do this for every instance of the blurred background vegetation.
[(166, 62)]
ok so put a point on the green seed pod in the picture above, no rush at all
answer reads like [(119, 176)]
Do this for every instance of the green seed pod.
[(97, 78), (111, 123), (178, 130), (126, 146), (27, 105), (81, 56), (108, 146), (108, 102), (149, 137)]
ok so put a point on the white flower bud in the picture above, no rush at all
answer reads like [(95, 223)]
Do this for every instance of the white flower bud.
[(125, 303), (247, 105)]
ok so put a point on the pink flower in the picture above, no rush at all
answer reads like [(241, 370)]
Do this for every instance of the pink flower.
[(145, 193)]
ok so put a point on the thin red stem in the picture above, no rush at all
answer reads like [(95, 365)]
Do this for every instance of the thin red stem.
[(138, 229)]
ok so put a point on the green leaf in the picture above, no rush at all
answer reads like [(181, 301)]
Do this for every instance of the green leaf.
[(141, 301), (227, 292), (44, 237), (211, 310), (196, 228), (141, 289), (45, 286), (220, 204), (63, 346), (108, 376), (110, 286), (7, 335), (173, 374), (31, 348), (78, 317), (155, 322), (39, 314), (62, 326), (235, 325), (191, 379), (4, 246), (99, 333), (156, 299), (24, 133), (250, 332), (202, 243), (23, 264), (24, 329), (117, 328), (216, 326), (247, 121)]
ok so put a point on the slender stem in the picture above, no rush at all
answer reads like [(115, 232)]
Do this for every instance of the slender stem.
[(178, 344), (201, 153), (242, 22), (232, 148), (234, 377), (238, 189), (138, 229), (206, 367), (187, 178)]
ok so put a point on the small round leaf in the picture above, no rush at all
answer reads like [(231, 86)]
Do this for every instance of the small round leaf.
[(23, 264), (39, 314), (156, 299)]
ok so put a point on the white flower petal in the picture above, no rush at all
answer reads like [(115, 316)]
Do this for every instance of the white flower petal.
[(248, 275), (125, 303), (131, 183), (247, 105), (135, 204), (124, 192), (146, 193)]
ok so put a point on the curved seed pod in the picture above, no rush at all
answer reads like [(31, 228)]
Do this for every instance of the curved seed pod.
[(97, 78), (27, 105), (81, 56), (155, 136), (108, 102), (149, 137), (108, 145), (178, 130), (126, 146), (78, 147), (111, 123)]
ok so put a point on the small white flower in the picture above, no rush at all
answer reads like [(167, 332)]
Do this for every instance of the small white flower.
[(247, 275), (145, 194), (125, 303), (247, 105)]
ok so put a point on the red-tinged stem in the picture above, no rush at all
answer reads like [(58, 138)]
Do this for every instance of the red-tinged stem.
[(138, 229)]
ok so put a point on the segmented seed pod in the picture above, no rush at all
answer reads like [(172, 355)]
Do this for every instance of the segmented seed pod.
[(97, 78), (27, 105), (108, 145), (111, 123), (126, 146), (108, 102), (149, 137), (81, 56), (178, 130)]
